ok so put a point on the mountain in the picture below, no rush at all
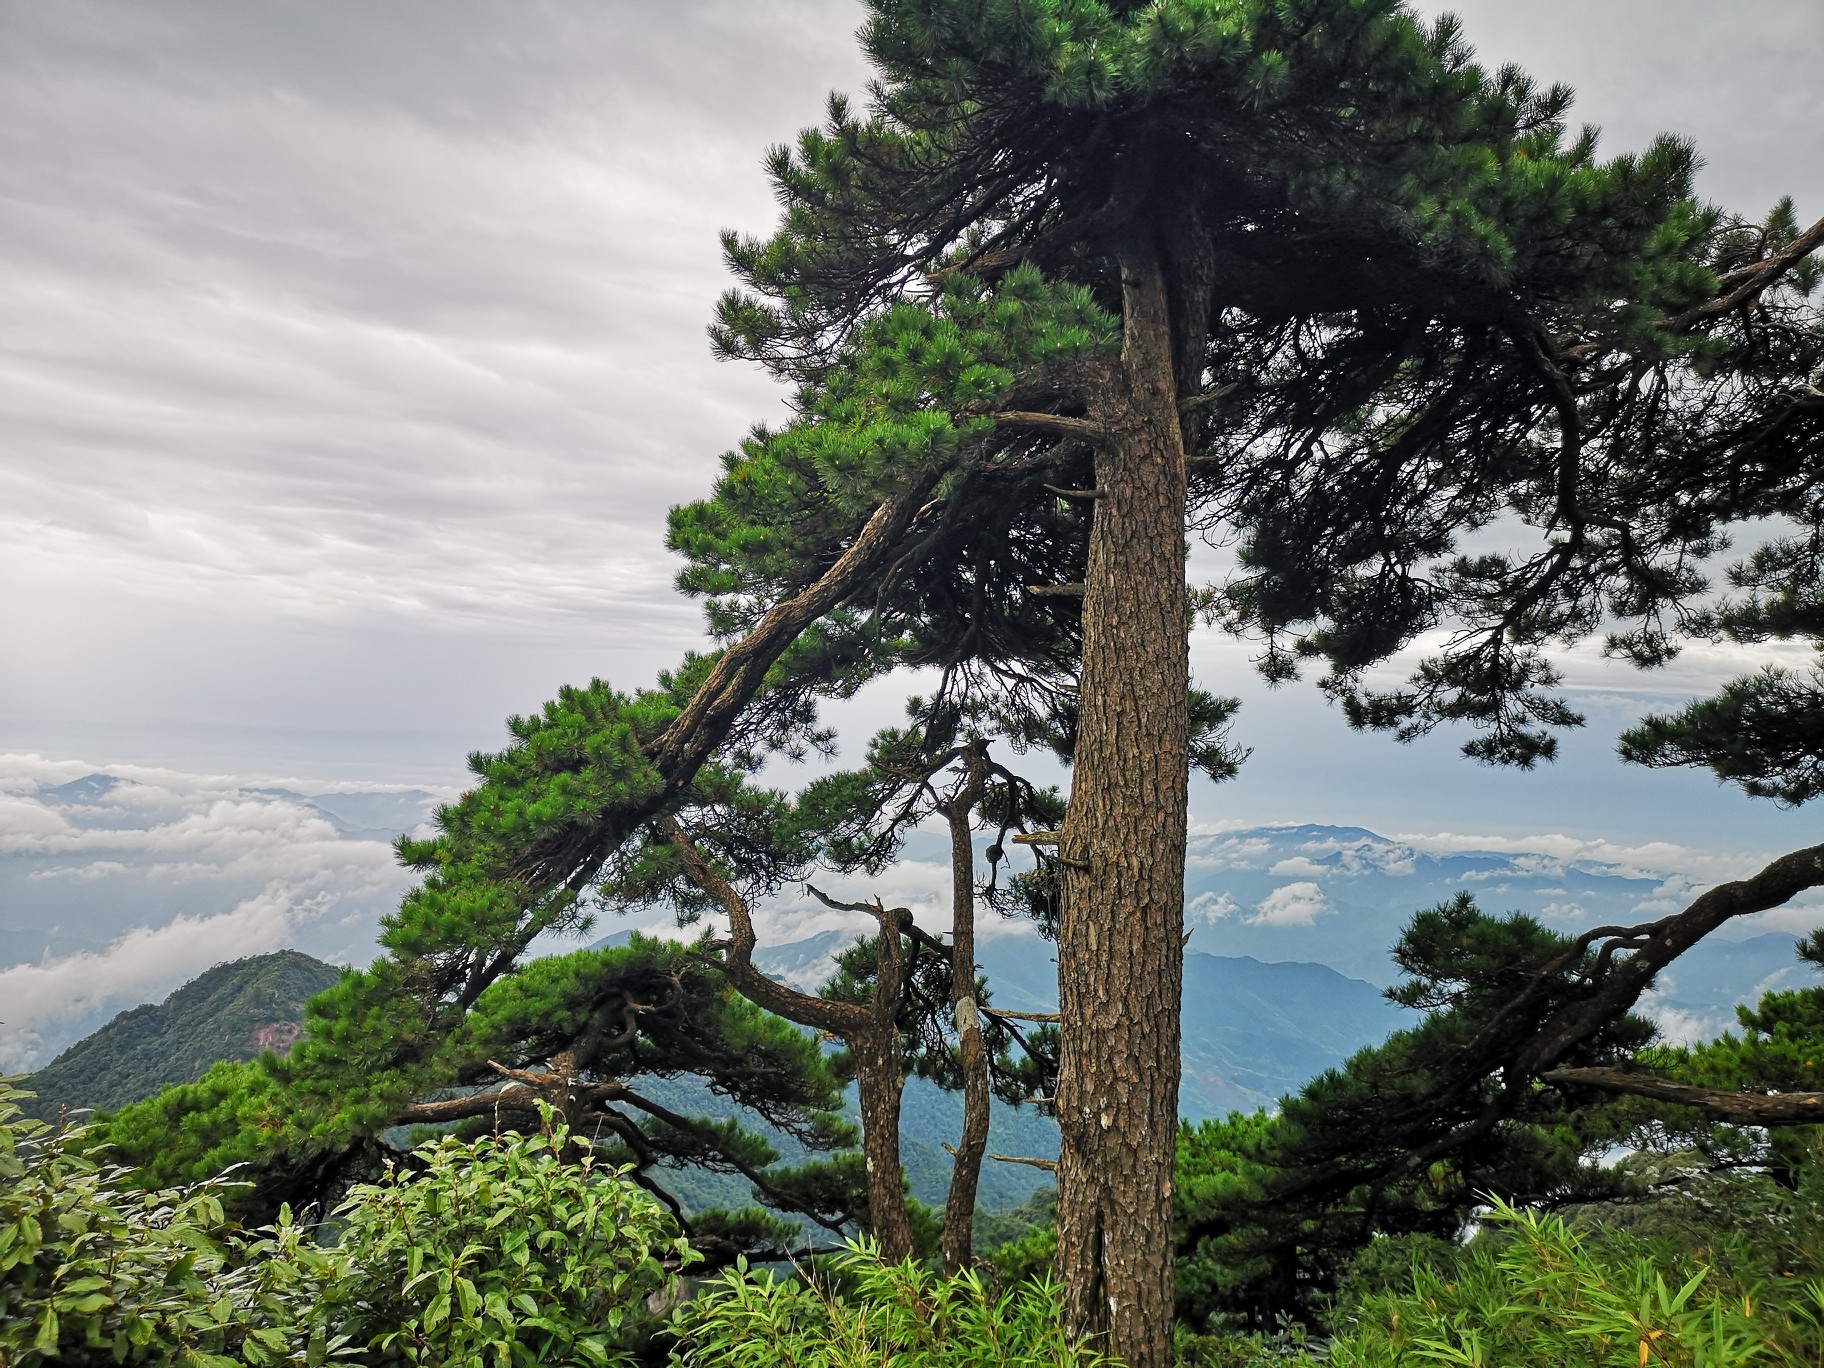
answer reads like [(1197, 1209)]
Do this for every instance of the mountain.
[(89, 789), (361, 816), (1253, 1030), (1341, 896), (233, 1011), (117, 887)]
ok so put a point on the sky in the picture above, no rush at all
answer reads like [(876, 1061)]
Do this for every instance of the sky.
[(354, 353)]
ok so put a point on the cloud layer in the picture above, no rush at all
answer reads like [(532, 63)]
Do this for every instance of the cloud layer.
[(122, 886)]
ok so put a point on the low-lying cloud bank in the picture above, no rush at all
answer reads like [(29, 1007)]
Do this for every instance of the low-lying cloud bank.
[(120, 883)]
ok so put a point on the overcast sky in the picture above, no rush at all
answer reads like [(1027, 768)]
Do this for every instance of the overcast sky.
[(353, 352)]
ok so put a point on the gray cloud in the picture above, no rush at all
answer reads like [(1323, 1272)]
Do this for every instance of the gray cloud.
[(383, 316), (388, 319)]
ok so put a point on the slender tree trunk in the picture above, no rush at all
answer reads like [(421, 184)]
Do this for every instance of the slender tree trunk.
[(972, 1050), (1120, 950), (879, 1081), (871, 1031)]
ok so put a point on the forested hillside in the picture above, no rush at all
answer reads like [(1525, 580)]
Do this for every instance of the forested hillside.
[(233, 1011)]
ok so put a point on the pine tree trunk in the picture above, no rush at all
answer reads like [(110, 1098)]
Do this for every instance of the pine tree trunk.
[(879, 1082), (972, 1051), (1120, 950)]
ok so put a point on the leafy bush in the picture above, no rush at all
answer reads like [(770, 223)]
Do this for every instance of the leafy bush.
[(497, 1251), (94, 1270), (1539, 1296), (856, 1312)]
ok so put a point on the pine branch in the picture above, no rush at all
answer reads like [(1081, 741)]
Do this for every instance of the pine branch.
[(1057, 425), (1049, 1165), (1743, 284), (1737, 1108)]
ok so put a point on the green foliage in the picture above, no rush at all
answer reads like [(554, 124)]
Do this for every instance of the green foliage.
[(1779, 1048), (1764, 731), (486, 1252), (649, 1009), (187, 1133), (905, 398), (231, 1012), (1409, 1136), (493, 1252), (996, 1229), (1386, 212), (94, 1270), (854, 1311), (1536, 1295), (1222, 1166)]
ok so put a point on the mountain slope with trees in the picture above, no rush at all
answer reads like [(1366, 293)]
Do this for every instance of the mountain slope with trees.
[(232, 1012)]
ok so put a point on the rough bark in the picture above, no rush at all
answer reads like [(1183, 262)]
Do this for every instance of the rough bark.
[(576, 855), (1629, 958), (680, 750), (972, 1051), (1120, 934), (879, 1083)]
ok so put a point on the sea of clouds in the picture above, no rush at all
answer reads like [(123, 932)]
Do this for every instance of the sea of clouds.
[(119, 883)]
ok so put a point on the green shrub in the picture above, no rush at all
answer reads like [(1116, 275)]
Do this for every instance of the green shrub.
[(496, 1252), (94, 1270), (1536, 1295), (856, 1312)]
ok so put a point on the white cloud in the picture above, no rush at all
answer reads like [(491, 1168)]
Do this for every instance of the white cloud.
[(85, 873), (143, 965), (1227, 852), (1211, 907), (1293, 904), (24, 822), (132, 889), (1552, 852), (1302, 864), (1677, 1026)]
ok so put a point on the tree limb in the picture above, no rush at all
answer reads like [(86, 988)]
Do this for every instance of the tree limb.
[(1056, 425), (1739, 1108), (1741, 285), (1049, 1165), (807, 1009)]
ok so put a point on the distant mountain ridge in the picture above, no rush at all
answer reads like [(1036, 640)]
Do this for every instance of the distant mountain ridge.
[(126, 855), (233, 1011), (1342, 895)]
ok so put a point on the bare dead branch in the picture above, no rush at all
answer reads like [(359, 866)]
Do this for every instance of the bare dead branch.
[(1049, 1165), (1021, 1016)]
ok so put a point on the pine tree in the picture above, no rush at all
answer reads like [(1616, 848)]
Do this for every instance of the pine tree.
[(905, 1000), (1367, 296)]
